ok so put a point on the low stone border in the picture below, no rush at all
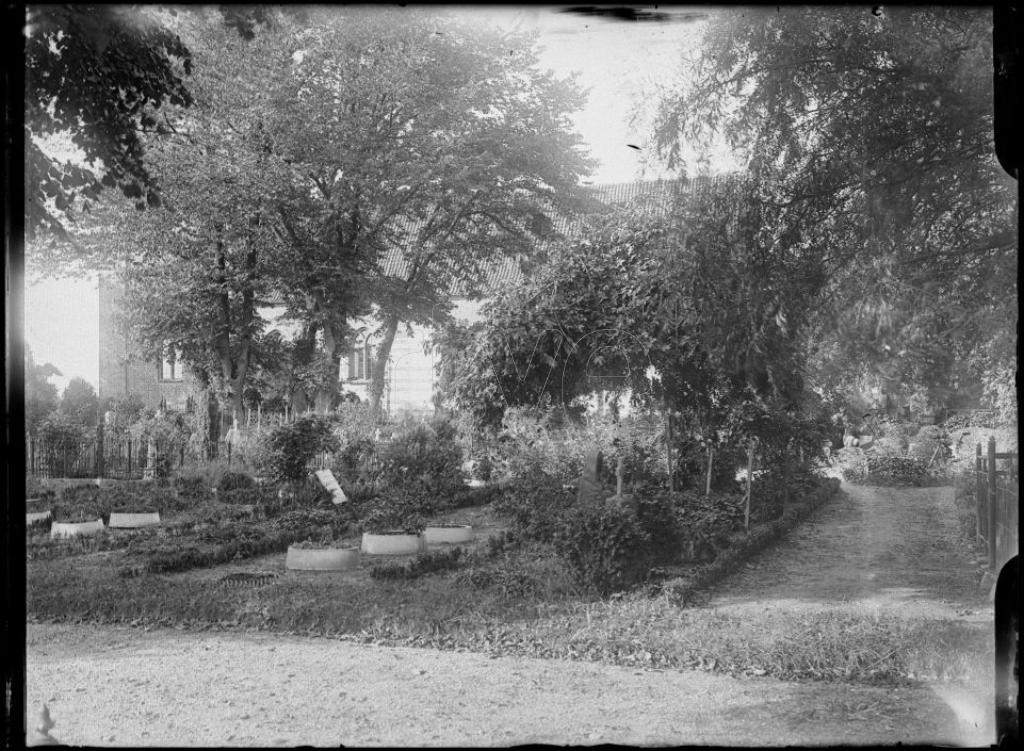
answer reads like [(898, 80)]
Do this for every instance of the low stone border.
[(727, 562)]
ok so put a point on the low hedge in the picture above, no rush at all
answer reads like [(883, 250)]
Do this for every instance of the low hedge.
[(425, 563), (729, 560), (170, 558)]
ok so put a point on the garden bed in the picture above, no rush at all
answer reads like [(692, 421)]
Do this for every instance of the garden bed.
[(485, 595)]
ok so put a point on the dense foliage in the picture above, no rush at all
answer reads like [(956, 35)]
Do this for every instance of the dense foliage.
[(870, 136), (294, 445)]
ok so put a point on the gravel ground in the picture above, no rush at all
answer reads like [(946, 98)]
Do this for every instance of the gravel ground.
[(110, 686), (880, 549)]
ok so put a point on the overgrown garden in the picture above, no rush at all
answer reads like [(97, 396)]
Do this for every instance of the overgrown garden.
[(719, 344)]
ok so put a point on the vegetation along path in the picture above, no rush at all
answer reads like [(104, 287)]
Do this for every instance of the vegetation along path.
[(871, 552), (881, 553)]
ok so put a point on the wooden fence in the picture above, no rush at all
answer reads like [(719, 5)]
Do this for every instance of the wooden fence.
[(997, 480)]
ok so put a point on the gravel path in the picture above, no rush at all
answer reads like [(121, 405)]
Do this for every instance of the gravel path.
[(127, 687), (870, 548), (886, 550)]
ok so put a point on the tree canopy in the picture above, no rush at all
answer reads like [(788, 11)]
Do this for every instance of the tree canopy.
[(92, 72), (874, 133), (688, 305), (312, 153)]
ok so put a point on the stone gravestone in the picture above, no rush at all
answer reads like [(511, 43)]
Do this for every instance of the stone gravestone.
[(590, 490), (330, 483)]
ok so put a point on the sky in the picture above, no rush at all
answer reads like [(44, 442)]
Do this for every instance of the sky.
[(620, 62)]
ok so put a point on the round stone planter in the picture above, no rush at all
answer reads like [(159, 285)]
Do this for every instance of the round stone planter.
[(133, 521), (32, 517), (392, 544), (321, 559), (76, 529), (450, 534)]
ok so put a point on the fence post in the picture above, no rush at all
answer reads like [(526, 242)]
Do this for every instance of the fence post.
[(128, 475), (981, 514), (992, 503), (750, 485), (668, 452), (100, 468)]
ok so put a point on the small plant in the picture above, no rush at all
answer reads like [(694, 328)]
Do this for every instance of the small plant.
[(394, 517)]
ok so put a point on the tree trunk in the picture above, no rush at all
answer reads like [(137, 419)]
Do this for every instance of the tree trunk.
[(213, 412), (327, 390), (380, 362)]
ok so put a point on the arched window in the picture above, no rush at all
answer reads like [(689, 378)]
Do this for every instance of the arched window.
[(170, 367), (360, 358)]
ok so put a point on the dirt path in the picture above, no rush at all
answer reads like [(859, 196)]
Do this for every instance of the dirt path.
[(128, 687), (887, 550), (876, 549)]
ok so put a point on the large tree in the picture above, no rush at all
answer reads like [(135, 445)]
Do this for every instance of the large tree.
[(873, 133), (420, 136), (687, 304), (314, 152)]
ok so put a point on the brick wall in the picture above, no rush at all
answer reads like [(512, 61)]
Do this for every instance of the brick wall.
[(122, 370)]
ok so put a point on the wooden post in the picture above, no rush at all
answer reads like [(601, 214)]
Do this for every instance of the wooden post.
[(668, 452), (992, 503), (750, 485), (785, 478), (980, 515), (711, 459), (259, 416), (618, 476)]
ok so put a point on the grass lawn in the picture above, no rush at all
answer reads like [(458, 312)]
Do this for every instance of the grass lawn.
[(513, 600)]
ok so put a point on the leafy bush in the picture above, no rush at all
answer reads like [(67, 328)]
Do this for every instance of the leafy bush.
[(423, 564), (167, 432), (193, 487), (467, 496), (660, 521), (423, 459), (536, 506), (396, 514), (293, 446), (604, 546), (131, 497), (235, 481)]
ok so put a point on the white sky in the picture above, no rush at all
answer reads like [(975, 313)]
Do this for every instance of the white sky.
[(618, 61)]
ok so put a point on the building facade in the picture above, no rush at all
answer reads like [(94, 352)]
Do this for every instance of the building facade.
[(122, 368)]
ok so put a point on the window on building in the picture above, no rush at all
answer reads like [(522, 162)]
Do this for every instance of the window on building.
[(360, 361), (170, 365)]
